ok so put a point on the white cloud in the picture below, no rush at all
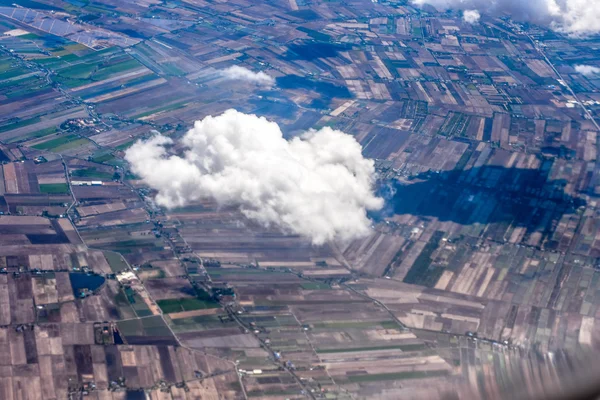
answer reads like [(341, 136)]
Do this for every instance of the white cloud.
[(587, 70), (580, 16), (574, 17), (244, 74), (317, 185), (471, 16)]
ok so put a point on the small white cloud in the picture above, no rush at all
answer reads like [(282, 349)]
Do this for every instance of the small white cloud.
[(244, 74), (471, 16), (587, 70), (317, 185)]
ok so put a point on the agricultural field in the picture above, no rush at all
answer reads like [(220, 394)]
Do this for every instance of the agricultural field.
[(54, 188), (479, 274), (169, 306)]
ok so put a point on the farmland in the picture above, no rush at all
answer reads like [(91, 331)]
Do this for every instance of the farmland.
[(54, 188), (479, 275)]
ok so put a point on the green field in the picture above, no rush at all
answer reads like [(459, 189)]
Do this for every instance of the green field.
[(123, 306), (155, 326), (151, 326), (315, 286), (267, 393), (101, 158), (126, 246), (68, 49), (137, 303), (395, 376), (116, 262), (33, 135), (171, 69), (29, 36), (14, 85), (420, 273), (128, 176), (356, 325), (54, 188), (48, 313), (218, 272), (125, 145), (19, 124), (184, 304), (69, 83), (168, 107), (403, 347), (200, 323), (11, 73), (108, 71), (188, 209), (70, 145), (78, 71), (54, 143), (92, 173), (5, 64), (315, 34)]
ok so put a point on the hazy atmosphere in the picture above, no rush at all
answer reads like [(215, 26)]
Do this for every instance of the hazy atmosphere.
[(299, 200)]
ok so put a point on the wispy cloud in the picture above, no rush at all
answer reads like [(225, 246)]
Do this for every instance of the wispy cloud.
[(587, 70)]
